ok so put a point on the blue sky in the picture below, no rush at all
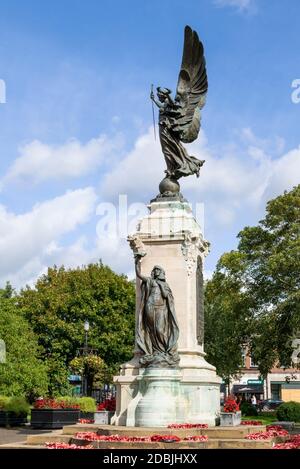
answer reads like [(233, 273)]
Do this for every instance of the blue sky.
[(75, 131)]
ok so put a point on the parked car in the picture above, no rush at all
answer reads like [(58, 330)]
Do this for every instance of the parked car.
[(269, 404)]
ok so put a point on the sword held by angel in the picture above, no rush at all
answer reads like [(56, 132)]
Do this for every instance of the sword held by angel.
[(179, 118)]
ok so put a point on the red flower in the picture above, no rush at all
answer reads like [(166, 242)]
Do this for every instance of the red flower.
[(292, 443), (266, 435), (92, 436), (50, 403), (188, 425), (196, 438), (108, 404), (85, 421), (231, 405), (66, 446), (165, 438)]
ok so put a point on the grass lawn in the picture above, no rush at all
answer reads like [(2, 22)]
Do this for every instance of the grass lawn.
[(265, 417)]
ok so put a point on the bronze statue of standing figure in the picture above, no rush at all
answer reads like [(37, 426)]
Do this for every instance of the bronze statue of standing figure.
[(179, 119), (157, 332)]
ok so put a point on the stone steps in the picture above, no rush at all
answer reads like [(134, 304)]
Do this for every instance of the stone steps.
[(235, 443), (212, 432), (219, 438)]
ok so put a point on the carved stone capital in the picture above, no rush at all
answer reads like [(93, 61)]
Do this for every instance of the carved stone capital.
[(136, 245), (193, 246)]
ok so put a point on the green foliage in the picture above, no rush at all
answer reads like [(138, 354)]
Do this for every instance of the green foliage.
[(289, 411), (226, 323), (72, 400), (23, 373), (60, 303), (18, 405), (92, 367), (253, 298), (248, 409), (58, 376), (87, 404), (4, 400)]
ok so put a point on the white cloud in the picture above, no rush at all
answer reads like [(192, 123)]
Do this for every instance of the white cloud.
[(235, 183), (235, 178), (27, 240), (241, 5), (139, 172), (39, 162)]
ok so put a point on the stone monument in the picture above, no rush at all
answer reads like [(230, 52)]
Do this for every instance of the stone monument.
[(168, 380)]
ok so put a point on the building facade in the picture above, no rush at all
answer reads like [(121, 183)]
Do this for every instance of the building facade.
[(280, 383)]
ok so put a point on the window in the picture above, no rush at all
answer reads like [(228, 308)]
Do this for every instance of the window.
[(243, 357), (252, 363), (275, 391)]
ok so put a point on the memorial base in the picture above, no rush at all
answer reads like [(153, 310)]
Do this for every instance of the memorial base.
[(190, 395), (169, 236)]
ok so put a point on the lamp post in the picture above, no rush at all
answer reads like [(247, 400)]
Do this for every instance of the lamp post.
[(85, 353)]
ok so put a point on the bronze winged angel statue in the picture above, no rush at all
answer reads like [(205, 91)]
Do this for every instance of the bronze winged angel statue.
[(179, 119)]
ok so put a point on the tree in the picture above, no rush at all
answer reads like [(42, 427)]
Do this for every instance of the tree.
[(265, 270), (23, 373), (227, 323), (63, 299), (91, 367)]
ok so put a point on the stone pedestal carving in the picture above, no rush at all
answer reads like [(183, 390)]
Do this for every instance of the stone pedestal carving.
[(171, 237)]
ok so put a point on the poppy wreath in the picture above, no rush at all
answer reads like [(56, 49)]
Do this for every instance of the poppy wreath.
[(58, 445), (188, 425), (266, 435), (292, 443)]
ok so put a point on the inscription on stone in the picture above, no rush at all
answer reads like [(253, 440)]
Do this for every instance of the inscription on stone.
[(200, 301)]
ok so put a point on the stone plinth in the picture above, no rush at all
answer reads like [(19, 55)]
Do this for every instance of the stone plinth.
[(161, 402), (230, 419), (171, 237)]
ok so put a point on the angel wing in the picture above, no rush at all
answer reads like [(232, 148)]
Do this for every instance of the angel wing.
[(191, 87)]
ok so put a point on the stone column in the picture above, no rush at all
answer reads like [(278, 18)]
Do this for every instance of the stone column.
[(170, 236)]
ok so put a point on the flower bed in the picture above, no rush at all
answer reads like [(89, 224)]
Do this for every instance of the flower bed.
[(231, 405), (49, 403), (53, 414), (108, 404)]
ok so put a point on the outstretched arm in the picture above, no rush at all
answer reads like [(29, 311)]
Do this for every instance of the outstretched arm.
[(138, 268), (158, 104)]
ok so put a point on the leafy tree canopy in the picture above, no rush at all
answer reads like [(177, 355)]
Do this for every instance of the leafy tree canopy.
[(62, 300), (261, 279), (22, 373)]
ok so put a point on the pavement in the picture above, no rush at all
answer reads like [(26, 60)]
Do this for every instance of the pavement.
[(13, 435)]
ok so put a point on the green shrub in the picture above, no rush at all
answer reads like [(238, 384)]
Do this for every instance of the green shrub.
[(248, 409), (18, 405), (4, 400), (87, 404), (289, 411), (72, 400)]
